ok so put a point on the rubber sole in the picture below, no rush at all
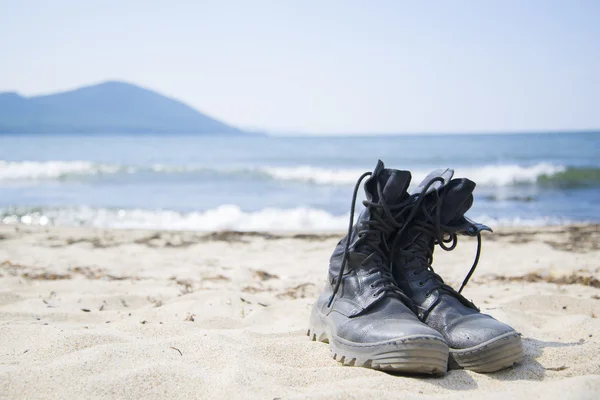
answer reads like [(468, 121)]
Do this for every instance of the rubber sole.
[(496, 354), (411, 355)]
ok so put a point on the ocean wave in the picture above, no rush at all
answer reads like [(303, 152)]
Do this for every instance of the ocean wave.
[(572, 177), (544, 174), (33, 170), (495, 222), (61, 170), (507, 175), (487, 175), (323, 176), (226, 217)]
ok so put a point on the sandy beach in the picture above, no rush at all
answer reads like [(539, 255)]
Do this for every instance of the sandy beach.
[(90, 313)]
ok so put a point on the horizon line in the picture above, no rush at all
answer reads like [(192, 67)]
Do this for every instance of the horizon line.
[(258, 133), (426, 133)]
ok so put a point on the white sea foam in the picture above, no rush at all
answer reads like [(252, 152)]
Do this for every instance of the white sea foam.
[(487, 175), (54, 170), (32, 170), (226, 217), (495, 222), (323, 176), (504, 175)]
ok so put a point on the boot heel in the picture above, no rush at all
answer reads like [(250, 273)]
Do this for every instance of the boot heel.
[(317, 328)]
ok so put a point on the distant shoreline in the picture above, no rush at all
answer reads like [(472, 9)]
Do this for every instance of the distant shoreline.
[(133, 133), (436, 134)]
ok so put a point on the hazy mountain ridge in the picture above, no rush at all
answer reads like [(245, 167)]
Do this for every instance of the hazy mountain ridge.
[(110, 107)]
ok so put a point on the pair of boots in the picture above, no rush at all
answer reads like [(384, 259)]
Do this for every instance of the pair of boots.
[(384, 307)]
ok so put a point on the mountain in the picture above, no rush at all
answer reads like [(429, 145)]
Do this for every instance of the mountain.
[(110, 107)]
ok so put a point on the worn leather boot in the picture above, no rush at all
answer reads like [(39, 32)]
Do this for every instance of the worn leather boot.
[(363, 315), (477, 341)]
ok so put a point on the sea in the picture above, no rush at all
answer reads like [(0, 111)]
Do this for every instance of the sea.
[(269, 183)]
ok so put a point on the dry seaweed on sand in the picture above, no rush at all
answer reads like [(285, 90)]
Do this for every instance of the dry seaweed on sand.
[(46, 276), (175, 348), (264, 275), (572, 279)]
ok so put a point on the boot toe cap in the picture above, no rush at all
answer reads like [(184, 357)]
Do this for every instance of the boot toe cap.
[(383, 330), (475, 329)]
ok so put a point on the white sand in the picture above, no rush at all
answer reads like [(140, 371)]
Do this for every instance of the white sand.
[(249, 298)]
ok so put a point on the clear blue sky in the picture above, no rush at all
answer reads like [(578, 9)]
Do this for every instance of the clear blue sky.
[(324, 66)]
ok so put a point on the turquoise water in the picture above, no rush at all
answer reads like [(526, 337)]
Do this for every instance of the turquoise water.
[(259, 183)]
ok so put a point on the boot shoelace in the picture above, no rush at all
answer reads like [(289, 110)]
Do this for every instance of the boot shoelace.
[(376, 230), (422, 251)]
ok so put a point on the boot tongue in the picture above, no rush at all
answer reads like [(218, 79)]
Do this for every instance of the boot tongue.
[(458, 198), (393, 183), (395, 188), (446, 174), (458, 193)]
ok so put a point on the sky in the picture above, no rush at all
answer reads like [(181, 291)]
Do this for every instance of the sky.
[(324, 67)]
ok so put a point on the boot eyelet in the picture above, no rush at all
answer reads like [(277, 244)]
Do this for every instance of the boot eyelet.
[(421, 284), (371, 286), (374, 295), (415, 273), (427, 294)]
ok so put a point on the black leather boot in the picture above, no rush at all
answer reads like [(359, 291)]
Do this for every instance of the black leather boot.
[(363, 315), (477, 341)]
